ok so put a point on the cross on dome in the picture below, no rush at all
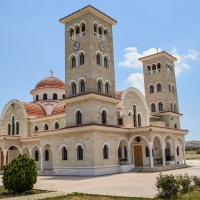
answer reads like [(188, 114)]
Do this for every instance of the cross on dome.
[(51, 71)]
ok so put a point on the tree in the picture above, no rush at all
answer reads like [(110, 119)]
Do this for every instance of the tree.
[(20, 174)]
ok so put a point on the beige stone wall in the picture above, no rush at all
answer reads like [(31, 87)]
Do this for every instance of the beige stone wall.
[(17, 111), (91, 112), (130, 99)]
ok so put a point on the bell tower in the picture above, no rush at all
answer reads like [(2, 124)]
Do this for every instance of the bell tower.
[(89, 65), (160, 88)]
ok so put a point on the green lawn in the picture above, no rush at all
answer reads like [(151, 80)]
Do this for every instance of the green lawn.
[(4, 193)]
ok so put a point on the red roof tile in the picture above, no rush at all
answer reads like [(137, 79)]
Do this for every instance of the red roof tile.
[(33, 110), (50, 82), (59, 109), (119, 94)]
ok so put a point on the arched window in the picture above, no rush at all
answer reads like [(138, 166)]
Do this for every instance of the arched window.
[(119, 152), (175, 125), (46, 127), (73, 62), (56, 125), (36, 156), (139, 120), (169, 87), (134, 116), (105, 62), (99, 86), (77, 30), (151, 89), (82, 86), (125, 152), (177, 150), (105, 152), (98, 59), (73, 88), (63, 96), (154, 67), (9, 128), (159, 66), (173, 89), (153, 107), (82, 59), (100, 31), (175, 108), (106, 88), (95, 28), (44, 96), (78, 117), (160, 106), (55, 96), (105, 34), (83, 28), (72, 33), (159, 87), (35, 128), (46, 155), (103, 117), (79, 152), (37, 97), (171, 106), (147, 151), (13, 125), (64, 153), (148, 68), (17, 128)]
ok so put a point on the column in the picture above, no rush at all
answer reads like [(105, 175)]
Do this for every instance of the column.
[(175, 154), (103, 89), (41, 161), (150, 151), (163, 156), (184, 155), (4, 157), (30, 153)]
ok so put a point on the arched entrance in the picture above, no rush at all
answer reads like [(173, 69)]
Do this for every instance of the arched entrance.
[(157, 150), (170, 154), (13, 152), (2, 158), (180, 150), (139, 151), (47, 157), (35, 151), (25, 150), (123, 149)]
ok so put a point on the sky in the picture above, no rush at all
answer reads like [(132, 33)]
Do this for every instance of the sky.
[(32, 43)]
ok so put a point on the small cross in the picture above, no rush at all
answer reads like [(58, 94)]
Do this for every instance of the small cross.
[(157, 50), (51, 71)]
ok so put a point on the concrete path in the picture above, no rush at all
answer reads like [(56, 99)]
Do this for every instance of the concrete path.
[(37, 196), (127, 184)]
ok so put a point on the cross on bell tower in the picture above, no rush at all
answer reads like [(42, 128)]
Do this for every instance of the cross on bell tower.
[(51, 71)]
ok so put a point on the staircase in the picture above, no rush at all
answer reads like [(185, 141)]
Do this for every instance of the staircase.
[(163, 168)]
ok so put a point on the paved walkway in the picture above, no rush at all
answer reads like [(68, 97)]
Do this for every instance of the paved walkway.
[(127, 184), (37, 196)]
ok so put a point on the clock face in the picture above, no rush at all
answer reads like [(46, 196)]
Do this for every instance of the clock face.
[(102, 46), (76, 46)]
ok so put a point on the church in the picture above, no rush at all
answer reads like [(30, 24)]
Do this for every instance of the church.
[(83, 126)]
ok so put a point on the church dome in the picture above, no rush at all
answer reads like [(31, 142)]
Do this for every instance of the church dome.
[(50, 82)]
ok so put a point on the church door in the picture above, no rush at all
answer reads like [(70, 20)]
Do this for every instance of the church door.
[(167, 153), (138, 155)]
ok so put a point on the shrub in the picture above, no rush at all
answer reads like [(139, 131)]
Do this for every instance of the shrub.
[(185, 182), (167, 186), (20, 174), (196, 181)]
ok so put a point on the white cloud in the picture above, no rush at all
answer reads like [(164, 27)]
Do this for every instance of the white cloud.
[(132, 55), (137, 80)]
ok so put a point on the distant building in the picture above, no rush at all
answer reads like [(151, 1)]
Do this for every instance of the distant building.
[(83, 126)]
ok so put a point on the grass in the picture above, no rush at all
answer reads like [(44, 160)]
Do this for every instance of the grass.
[(5, 194)]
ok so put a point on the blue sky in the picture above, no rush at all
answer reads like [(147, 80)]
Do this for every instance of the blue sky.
[(32, 43)]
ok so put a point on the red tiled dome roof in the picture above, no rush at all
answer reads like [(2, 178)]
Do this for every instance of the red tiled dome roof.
[(118, 94), (59, 109), (50, 82), (33, 110)]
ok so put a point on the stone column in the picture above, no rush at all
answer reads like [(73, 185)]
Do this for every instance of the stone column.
[(30, 153), (163, 156), (184, 154), (175, 154), (41, 161), (150, 150), (4, 156)]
